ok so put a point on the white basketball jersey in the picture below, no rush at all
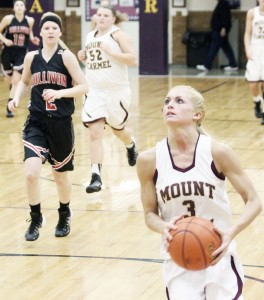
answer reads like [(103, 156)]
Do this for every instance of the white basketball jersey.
[(195, 191), (198, 190), (257, 37), (102, 71)]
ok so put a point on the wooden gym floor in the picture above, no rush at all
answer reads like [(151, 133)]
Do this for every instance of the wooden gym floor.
[(110, 254)]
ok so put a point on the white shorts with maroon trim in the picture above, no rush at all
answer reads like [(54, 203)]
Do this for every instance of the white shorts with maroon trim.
[(255, 67), (109, 104), (224, 281)]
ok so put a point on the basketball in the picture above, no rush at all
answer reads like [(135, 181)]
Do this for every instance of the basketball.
[(193, 242)]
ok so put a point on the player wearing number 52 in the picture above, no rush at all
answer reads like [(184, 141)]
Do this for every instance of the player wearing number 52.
[(16, 30), (108, 53), (48, 132)]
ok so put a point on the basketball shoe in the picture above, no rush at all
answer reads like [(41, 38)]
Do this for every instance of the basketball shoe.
[(262, 119), (37, 221), (63, 227), (258, 112), (132, 155), (95, 184), (9, 113)]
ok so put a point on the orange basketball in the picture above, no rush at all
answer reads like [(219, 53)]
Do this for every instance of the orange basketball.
[(193, 242)]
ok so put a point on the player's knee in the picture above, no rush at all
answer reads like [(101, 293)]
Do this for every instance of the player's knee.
[(95, 135), (15, 81), (62, 181), (32, 177)]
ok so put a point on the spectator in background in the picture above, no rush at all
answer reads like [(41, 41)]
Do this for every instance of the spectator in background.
[(220, 28), (254, 47)]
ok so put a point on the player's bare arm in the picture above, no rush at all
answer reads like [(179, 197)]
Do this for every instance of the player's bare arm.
[(146, 169), (227, 163), (4, 23), (128, 56), (24, 81), (248, 32)]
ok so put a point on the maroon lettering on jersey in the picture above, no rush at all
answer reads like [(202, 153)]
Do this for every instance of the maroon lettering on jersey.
[(189, 188)]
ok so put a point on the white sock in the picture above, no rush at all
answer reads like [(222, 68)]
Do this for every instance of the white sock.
[(96, 168), (129, 146), (258, 98)]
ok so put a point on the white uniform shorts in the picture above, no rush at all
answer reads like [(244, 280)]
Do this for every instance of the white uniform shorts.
[(255, 67), (110, 104), (224, 281)]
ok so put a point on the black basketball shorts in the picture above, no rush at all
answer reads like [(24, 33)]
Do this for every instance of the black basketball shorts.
[(12, 59), (50, 139)]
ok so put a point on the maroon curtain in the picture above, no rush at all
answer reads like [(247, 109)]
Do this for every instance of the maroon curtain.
[(35, 9), (153, 37)]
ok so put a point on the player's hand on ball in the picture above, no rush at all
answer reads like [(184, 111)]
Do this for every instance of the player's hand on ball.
[(168, 226), (220, 252), (193, 243)]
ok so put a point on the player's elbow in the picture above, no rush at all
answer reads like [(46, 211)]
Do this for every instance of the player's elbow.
[(148, 220), (133, 62), (84, 87)]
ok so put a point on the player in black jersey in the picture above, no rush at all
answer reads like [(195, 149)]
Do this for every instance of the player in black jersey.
[(16, 30), (48, 131)]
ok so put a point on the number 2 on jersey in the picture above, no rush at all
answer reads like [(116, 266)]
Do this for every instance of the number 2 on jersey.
[(50, 105)]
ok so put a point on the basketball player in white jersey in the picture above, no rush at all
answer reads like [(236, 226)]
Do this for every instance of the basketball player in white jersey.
[(184, 175), (108, 54), (254, 46), (94, 17)]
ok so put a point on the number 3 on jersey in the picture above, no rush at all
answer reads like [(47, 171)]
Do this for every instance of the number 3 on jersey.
[(190, 206)]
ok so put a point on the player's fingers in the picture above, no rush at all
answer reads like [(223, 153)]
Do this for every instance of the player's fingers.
[(169, 237), (48, 95), (218, 231), (48, 99), (11, 106), (219, 253), (166, 232), (175, 219)]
